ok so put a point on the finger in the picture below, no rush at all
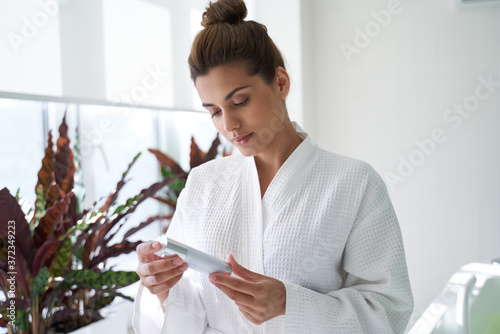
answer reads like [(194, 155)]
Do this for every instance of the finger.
[(237, 296), (250, 317), (165, 286), (159, 266), (245, 308), (234, 283), (162, 277), (252, 312), (239, 270), (146, 248)]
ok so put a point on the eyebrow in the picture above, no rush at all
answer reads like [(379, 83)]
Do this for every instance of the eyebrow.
[(228, 96)]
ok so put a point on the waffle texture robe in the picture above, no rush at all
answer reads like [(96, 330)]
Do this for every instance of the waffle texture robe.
[(325, 227)]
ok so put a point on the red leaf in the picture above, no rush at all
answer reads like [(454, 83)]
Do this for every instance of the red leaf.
[(113, 251), (166, 201), (22, 270), (64, 314), (45, 254), (212, 152), (144, 224), (53, 195), (112, 197), (199, 157), (11, 211), (166, 161), (44, 175), (64, 227), (91, 244), (196, 155), (20, 303), (98, 237), (64, 167), (51, 220)]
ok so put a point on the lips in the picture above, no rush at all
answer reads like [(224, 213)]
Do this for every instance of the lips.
[(242, 140)]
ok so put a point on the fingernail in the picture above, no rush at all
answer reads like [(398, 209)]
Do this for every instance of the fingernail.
[(212, 278), (178, 262), (184, 267), (155, 244)]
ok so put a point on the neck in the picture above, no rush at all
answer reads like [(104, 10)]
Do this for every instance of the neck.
[(268, 162)]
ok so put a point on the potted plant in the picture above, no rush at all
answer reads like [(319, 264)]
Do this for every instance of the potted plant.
[(172, 170), (53, 270)]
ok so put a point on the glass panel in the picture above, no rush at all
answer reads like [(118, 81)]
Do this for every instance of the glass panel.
[(22, 138)]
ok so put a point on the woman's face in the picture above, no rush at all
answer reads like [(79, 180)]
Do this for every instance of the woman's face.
[(244, 109)]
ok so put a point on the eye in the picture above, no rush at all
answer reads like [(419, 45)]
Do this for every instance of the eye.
[(215, 114), (243, 102)]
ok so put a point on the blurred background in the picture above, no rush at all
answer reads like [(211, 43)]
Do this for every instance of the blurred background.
[(411, 86)]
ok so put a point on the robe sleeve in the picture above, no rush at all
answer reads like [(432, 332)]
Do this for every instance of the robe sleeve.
[(184, 310), (376, 295)]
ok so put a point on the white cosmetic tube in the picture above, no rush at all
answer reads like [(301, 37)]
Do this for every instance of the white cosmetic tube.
[(195, 259)]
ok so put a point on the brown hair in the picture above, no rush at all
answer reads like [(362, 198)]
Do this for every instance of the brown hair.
[(227, 39)]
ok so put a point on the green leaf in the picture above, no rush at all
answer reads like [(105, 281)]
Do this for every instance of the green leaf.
[(177, 185), (124, 297), (166, 172), (129, 204), (104, 299), (115, 279), (107, 297), (80, 279), (78, 187), (81, 225), (130, 165), (114, 195), (62, 259), (77, 253), (40, 283), (25, 206), (21, 321), (40, 205), (88, 279)]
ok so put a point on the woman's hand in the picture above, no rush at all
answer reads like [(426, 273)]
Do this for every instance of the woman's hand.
[(260, 298), (158, 274)]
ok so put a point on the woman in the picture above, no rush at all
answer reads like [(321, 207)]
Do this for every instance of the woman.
[(314, 243)]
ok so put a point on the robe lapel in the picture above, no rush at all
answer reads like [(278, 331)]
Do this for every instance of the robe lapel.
[(284, 184), (252, 211), (257, 212)]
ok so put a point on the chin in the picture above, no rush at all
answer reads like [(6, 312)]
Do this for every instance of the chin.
[(247, 151)]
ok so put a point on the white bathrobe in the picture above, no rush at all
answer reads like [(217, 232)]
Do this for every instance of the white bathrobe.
[(326, 228)]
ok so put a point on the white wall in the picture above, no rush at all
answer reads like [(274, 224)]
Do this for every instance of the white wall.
[(377, 101), (282, 19)]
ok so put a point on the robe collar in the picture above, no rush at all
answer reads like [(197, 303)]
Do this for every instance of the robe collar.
[(289, 177), (292, 172)]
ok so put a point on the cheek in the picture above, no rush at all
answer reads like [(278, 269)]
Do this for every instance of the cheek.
[(217, 125)]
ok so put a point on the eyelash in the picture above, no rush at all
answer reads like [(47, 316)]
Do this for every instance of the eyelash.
[(243, 103), (236, 104)]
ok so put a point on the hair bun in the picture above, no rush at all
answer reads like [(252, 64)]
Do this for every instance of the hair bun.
[(224, 11)]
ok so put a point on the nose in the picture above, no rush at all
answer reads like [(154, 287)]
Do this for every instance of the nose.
[(231, 120)]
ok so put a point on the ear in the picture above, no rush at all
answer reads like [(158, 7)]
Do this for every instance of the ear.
[(283, 81)]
